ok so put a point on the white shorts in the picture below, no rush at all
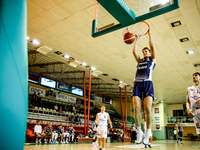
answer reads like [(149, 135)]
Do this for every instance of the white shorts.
[(197, 125), (102, 131), (66, 134)]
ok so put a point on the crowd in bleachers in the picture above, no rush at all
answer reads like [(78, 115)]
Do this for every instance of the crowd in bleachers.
[(60, 115)]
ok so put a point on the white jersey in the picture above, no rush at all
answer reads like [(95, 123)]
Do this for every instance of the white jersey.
[(174, 131), (194, 95), (102, 119)]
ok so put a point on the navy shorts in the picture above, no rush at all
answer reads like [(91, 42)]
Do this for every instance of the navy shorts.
[(180, 134), (143, 89)]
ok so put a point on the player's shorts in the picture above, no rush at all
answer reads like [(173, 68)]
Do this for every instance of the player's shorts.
[(102, 131), (197, 125), (143, 89), (180, 134), (66, 134)]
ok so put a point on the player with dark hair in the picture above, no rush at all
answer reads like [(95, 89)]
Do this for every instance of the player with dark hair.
[(193, 101), (143, 87)]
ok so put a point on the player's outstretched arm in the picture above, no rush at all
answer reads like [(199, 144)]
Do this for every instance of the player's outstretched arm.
[(135, 54), (189, 111), (96, 121), (152, 47), (109, 121)]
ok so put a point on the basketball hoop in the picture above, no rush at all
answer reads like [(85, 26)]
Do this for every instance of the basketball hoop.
[(133, 31)]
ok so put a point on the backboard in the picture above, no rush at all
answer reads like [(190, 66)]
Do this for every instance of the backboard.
[(111, 15)]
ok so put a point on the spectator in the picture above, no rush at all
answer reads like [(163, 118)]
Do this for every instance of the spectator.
[(78, 109), (60, 110), (80, 135), (41, 104), (114, 135), (70, 118), (74, 109), (56, 107), (65, 108), (30, 104), (48, 130), (38, 132), (78, 120), (38, 98), (73, 119), (34, 99), (90, 133), (133, 133)]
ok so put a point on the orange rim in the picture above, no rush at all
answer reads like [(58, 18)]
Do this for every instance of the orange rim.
[(147, 30)]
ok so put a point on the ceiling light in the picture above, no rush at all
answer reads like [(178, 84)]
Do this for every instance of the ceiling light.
[(197, 65), (84, 64), (184, 39), (27, 38), (105, 74), (120, 81), (175, 24), (66, 56), (93, 68), (58, 52), (36, 42), (115, 79), (190, 52)]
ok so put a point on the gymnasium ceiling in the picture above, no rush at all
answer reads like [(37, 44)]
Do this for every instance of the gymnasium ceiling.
[(65, 26)]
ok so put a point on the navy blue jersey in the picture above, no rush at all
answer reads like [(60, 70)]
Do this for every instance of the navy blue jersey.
[(180, 129), (145, 69), (59, 131), (71, 131), (48, 129)]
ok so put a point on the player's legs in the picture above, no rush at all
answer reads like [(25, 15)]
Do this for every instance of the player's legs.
[(137, 116), (61, 138), (150, 140), (147, 108), (37, 135), (137, 110), (103, 140), (99, 141), (50, 137)]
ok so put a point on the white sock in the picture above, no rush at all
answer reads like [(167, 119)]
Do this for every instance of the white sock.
[(72, 137), (139, 129), (148, 131)]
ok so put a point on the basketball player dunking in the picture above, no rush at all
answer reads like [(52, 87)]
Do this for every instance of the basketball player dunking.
[(143, 88), (193, 101), (101, 120)]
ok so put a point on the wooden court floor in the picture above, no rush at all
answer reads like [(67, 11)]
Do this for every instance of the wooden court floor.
[(156, 145)]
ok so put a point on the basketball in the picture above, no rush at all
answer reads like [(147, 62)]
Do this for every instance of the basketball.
[(129, 38)]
